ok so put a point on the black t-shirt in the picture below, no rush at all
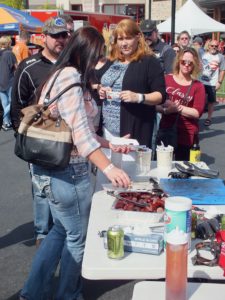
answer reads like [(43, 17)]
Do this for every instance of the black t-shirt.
[(7, 67), (30, 73)]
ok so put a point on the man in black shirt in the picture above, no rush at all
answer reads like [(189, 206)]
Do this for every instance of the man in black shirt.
[(30, 74), (166, 56), (163, 51)]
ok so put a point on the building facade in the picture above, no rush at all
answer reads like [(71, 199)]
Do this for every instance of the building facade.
[(214, 8), (158, 10)]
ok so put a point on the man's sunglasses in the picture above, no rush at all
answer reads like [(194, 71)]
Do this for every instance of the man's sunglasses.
[(63, 35), (185, 62), (148, 34)]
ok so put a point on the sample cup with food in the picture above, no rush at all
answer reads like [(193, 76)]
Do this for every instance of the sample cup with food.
[(110, 95), (143, 160), (164, 157)]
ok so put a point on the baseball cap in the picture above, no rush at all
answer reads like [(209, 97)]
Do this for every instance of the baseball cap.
[(148, 26), (54, 25), (198, 40)]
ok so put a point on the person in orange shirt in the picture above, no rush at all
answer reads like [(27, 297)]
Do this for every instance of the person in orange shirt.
[(21, 50)]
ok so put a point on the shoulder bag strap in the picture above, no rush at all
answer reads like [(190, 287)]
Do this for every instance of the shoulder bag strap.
[(45, 106), (47, 96)]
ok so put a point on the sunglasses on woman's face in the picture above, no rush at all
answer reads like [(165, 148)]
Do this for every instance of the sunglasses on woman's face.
[(184, 38), (185, 62), (214, 46)]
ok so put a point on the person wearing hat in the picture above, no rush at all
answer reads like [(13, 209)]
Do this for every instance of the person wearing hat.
[(198, 45), (29, 75), (163, 51)]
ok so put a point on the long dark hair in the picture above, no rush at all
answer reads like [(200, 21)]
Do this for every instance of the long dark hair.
[(82, 52)]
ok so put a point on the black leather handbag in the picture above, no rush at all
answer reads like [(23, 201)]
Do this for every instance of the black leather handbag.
[(42, 139)]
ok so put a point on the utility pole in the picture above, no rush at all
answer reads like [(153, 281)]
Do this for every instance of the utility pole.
[(173, 13), (26, 4), (150, 9)]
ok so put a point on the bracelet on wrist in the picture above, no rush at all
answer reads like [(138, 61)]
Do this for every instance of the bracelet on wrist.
[(220, 82), (108, 168)]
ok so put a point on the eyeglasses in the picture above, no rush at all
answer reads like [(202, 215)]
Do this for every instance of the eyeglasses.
[(184, 38), (148, 34), (63, 35), (176, 50), (186, 62), (214, 46)]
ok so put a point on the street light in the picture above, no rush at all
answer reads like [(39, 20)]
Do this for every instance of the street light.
[(150, 9), (173, 14)]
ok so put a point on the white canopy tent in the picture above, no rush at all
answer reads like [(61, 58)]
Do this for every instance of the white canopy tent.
[(191, 18)]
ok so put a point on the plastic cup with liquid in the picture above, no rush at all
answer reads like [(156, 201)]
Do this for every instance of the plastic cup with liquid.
[(143, 161), (164, 157)]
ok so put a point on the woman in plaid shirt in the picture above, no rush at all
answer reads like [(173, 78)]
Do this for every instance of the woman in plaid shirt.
[(67, 190)]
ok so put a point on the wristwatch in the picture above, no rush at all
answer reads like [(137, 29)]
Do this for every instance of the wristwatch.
[(141, 98)]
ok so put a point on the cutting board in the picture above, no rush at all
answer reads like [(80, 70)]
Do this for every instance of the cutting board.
[(201, 191)]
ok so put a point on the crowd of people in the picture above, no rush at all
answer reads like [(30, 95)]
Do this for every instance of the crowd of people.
[(142, 85)]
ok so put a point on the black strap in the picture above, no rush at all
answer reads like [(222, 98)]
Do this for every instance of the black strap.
[(47, 96), (46, 105)]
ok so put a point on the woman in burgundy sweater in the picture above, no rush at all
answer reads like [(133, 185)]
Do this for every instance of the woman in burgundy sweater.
[(186, 97)]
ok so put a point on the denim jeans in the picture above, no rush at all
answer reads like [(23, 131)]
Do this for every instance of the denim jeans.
[(41, 209), (6, 102), (68, 194)]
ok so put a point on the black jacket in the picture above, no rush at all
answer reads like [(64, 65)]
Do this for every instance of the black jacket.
[(143, 76), (30, 73), (165, 54)]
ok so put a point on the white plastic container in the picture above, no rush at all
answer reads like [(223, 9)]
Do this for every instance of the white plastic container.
[(178, 214)]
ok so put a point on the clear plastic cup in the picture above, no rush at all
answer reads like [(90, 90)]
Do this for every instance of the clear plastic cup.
[(143, 161), (164, 157), (110, 95)]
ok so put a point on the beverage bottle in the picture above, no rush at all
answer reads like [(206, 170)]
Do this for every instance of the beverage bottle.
[(176, 265), (195, 152)]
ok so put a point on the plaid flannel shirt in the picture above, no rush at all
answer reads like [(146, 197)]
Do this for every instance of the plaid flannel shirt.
[(72, 108)]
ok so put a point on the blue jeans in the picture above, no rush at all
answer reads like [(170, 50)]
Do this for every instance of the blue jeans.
[(68, 194), (41, 209), (6, 102)]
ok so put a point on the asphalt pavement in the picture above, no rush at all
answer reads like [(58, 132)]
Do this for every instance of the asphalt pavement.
[(16, 223)]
